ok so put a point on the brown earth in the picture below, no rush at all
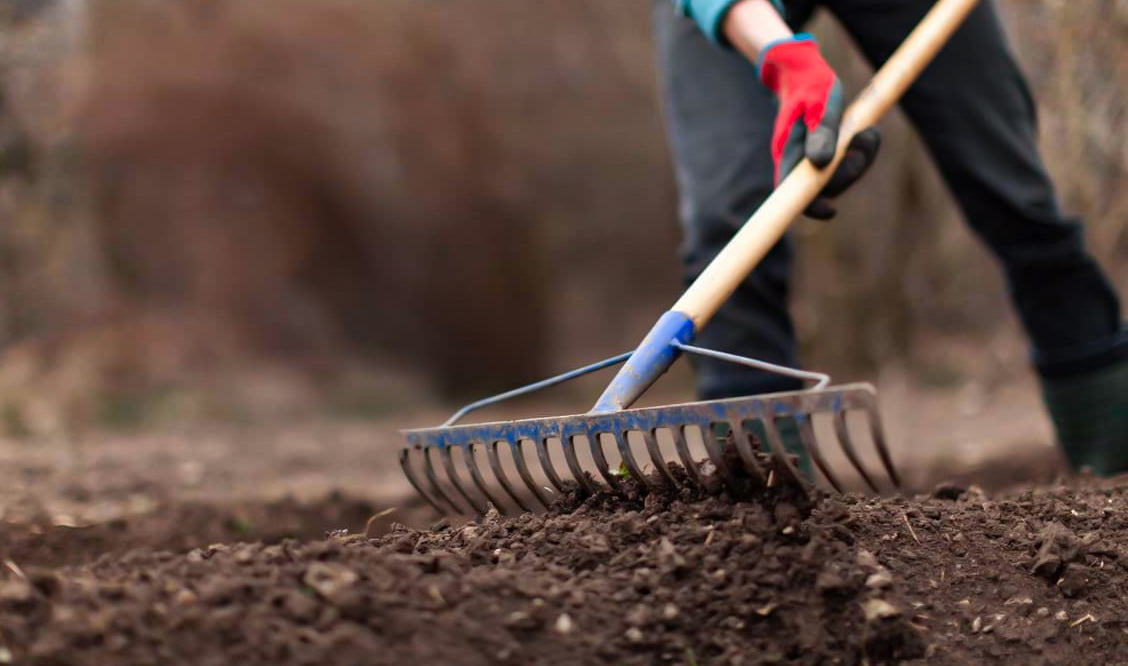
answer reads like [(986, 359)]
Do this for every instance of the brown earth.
[(1031, 576), (181, 527)]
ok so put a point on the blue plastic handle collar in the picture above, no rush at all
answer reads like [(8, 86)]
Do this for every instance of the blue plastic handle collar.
[(655, 354)]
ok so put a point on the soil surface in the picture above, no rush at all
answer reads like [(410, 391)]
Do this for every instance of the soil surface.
[(1031, 576)]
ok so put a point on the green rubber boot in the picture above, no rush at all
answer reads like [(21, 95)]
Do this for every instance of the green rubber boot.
[(1090, 414)]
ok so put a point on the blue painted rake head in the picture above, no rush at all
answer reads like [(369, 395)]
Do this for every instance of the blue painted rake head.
[(523, 465)]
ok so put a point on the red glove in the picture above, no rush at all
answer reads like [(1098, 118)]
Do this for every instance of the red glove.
[(811, 104)]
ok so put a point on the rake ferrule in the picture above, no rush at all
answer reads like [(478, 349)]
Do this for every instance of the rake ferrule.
[(654, 355)]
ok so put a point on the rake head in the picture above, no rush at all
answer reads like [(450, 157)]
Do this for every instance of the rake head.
[(522, 465)]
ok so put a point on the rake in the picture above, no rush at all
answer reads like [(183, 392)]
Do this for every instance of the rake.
[(454, 477)]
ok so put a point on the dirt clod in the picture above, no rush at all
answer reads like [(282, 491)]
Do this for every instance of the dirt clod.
[(1057, 547), (1074, 580), (948, 491)]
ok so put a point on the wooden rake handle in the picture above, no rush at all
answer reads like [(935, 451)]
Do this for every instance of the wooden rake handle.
[(767, 225)]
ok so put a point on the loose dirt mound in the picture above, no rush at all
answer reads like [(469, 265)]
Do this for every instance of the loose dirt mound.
[(1034, 577)]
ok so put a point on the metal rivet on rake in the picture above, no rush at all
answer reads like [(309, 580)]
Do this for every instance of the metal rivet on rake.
[(456, 479), (656, 457), (546, 463), (807, 436), (848, 448), (686, 459), (717, 455), (744, 448), (596, 446), (495, 464), (476, 475), (581, 478), (433, 479), (624, 443), (523, 471), (405, 463)]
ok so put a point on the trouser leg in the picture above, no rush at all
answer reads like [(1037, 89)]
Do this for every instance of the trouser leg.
[(719, 120), (975, 113)]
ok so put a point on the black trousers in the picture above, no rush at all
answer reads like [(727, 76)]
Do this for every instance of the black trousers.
[(973, 109)]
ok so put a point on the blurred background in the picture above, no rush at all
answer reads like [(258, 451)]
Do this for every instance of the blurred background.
[(221, 214)]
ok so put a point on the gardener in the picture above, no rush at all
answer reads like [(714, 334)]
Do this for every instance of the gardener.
[(974, 111)]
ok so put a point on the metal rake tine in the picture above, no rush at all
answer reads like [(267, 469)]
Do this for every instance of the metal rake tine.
[(717, 455), (569, 445), (452, 473), (624, 443), (810, 443), (686, 459), (495, 465), (878, 434), (596, 447), (744, 448), (656, 457), (476, 475), (433, 479), (546, 463), (850, 450), (779, 452), (523, 471), (405, 464)]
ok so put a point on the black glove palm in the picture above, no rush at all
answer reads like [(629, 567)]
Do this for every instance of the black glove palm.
[(860, 154)]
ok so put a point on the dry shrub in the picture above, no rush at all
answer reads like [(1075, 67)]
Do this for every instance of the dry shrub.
[(313, 176), (469, 195)]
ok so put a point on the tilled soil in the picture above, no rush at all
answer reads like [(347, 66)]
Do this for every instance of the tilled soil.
[(1030, 577), (179, 527)]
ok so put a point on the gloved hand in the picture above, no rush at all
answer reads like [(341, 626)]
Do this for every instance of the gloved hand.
[(811, 104)]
